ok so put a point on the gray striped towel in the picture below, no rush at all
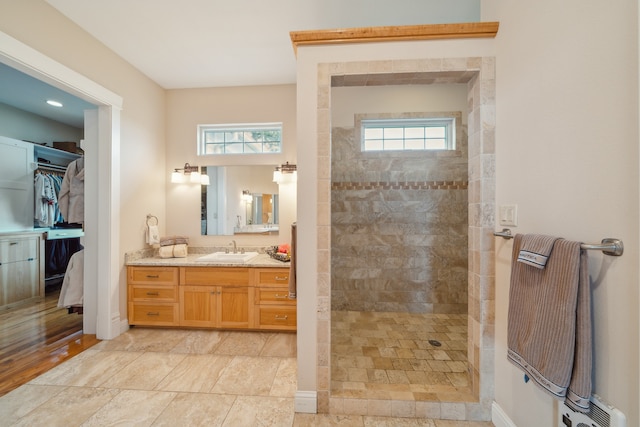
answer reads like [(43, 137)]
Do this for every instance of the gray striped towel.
[(549, 322), (535, 249)]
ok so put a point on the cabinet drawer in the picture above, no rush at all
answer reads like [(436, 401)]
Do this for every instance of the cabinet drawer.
[(272, 296), (214, 276), (272, 276), (153, 293), (18, 249), (277, 317), (153, 275), (153, 314)]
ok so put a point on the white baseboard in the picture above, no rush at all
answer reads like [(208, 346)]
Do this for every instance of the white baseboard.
[(306, 402), (499, 417), (124, 326)]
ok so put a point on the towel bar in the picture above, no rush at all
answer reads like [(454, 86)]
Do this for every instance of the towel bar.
[(608, 246)]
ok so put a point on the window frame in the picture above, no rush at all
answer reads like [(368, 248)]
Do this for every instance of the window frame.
[(203, 129), (448, 123)]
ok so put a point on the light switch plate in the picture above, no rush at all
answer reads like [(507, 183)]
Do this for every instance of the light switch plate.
[(508, 215)]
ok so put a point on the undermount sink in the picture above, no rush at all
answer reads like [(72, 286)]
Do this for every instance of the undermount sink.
[(230, 258)]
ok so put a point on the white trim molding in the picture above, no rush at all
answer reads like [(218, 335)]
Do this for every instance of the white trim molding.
[(306, 402), (499, 417)]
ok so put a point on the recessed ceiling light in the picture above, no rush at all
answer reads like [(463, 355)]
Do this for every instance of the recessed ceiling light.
[(54, 103)]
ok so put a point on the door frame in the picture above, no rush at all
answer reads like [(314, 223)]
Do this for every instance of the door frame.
[(102, 234)]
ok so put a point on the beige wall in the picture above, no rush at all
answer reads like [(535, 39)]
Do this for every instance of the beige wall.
[(186, 109), (567, 155), (142, 155)]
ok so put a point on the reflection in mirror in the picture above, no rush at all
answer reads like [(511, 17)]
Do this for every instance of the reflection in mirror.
[(239, 200)]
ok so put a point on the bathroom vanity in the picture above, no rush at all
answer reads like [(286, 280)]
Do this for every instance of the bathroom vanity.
[(185, 292)]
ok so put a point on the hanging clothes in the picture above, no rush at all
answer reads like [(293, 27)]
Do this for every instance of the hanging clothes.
[(71, 198), (45, 201)]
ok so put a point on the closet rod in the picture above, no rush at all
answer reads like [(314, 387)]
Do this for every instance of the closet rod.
[(56, 168), (608, 246)]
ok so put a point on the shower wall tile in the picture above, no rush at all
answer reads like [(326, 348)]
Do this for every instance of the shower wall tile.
[(399, 235)]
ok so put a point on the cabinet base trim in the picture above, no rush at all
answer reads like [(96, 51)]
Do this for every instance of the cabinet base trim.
[(306, 402)]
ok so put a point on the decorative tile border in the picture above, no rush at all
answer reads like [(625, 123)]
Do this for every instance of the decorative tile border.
[(408, 185)]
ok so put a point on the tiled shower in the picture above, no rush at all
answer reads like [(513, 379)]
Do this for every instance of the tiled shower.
[(399, 239)]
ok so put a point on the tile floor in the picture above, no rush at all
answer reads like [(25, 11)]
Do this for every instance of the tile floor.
[(156, 377), (378, 355)]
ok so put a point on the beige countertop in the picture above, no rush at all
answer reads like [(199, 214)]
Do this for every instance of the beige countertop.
[(261, 260)]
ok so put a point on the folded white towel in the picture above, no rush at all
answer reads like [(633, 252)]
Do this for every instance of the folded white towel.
[(153, 235)]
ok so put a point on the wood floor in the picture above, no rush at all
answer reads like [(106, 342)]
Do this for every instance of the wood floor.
[(35, 337)]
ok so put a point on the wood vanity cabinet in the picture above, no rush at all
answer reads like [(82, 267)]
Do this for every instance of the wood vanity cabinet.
[(216, 297), (153, 296), (21, 268), (211, 297), (273, 308)]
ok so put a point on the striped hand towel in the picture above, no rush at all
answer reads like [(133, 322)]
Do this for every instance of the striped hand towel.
[(549, 322)]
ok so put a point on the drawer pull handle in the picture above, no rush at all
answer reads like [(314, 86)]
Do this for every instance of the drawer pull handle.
[(281, 317), (153, 276), (13, 243), (282, 278), (153, 294), (278, 296), (153, 313)]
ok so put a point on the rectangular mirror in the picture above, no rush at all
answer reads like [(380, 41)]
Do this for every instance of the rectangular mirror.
[(239, 200)]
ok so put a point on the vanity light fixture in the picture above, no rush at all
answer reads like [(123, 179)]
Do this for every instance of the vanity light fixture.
[(285, 173), (189, 174), (246, 196)]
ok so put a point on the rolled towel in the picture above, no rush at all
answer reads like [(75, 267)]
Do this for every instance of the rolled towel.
[(165, 251), (180, 251)]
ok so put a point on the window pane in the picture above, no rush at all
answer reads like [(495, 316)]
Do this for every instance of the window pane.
[(414, 144), (435, 132), (234, 148), (436, 144), (215, 149), (393, 133), (253, 147), (393, 144), (272, 147), (373, 133), (414, 132)]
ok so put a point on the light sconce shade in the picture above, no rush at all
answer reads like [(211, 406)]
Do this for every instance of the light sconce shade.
[(285, 173), (189, 174), (246, 196)]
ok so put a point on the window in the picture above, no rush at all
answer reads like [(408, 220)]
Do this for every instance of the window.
[(408, 134), (262, 138)]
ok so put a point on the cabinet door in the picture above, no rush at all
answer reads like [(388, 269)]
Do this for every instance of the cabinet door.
[(234, 303), (19, 270), (198, 305)]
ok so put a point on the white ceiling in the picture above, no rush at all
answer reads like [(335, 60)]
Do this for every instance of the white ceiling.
[(212, 43)]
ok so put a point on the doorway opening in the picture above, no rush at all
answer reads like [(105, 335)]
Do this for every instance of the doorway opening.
[(479, 76)]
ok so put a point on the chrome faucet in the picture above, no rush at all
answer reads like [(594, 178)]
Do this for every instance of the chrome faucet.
[(235, 247)]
